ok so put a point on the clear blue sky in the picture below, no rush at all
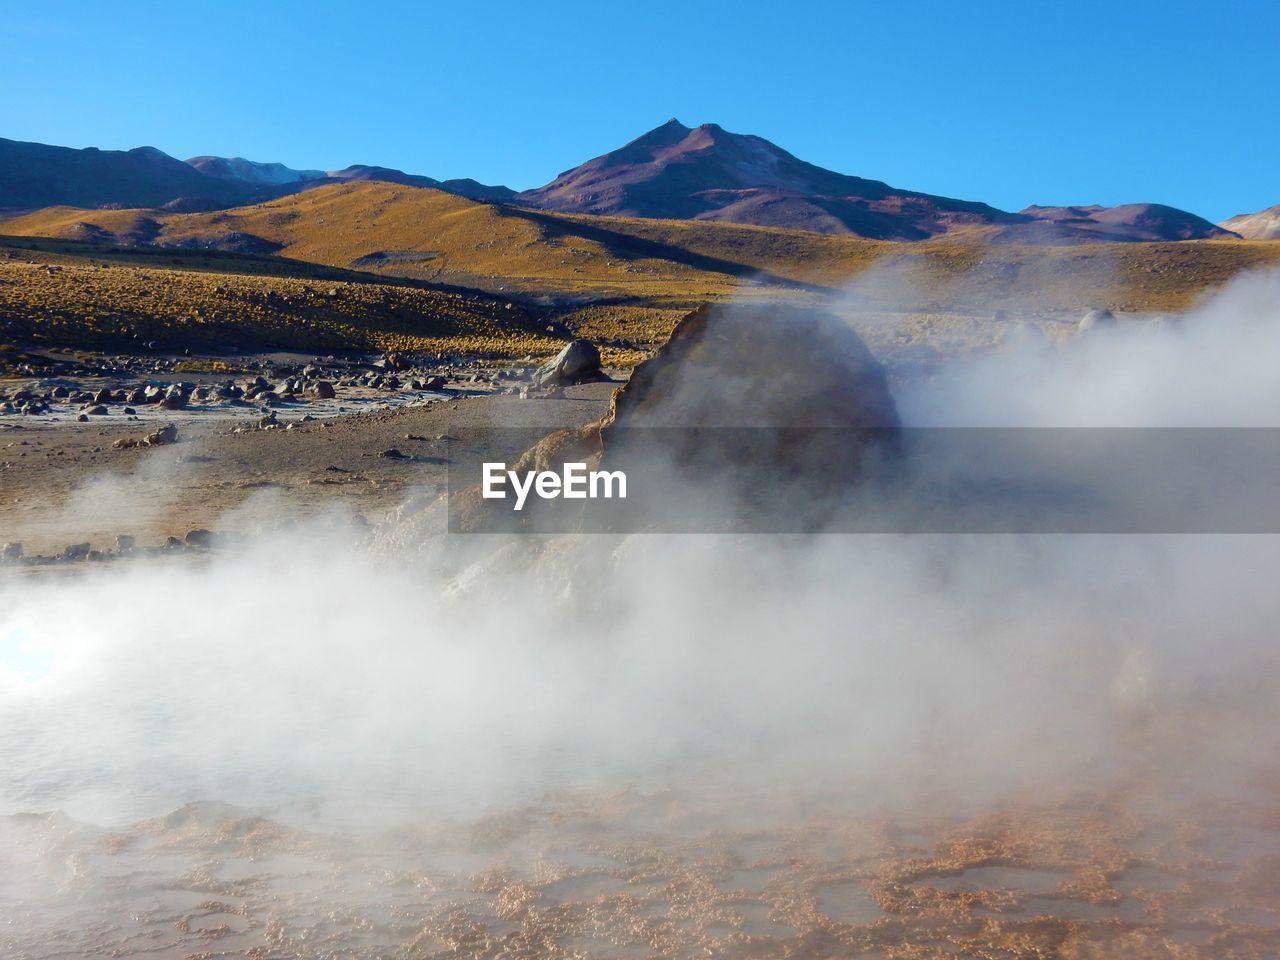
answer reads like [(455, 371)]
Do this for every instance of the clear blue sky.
[(1075, 101)]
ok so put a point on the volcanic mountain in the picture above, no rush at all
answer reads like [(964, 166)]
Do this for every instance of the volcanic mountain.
[(1263, 225), (707, 173), (1129, 221)]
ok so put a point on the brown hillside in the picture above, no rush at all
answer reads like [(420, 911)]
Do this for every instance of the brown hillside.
[(630, 278), (74, 295)]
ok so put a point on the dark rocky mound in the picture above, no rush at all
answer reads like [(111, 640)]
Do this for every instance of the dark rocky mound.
[(755, 416), (233, 241)]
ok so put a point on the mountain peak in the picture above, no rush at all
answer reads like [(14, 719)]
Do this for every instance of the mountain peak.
[(709, 173), (673, 131)]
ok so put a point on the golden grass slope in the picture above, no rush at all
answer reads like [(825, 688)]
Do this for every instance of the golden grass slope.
[(396, 230), (76, 296), (382, 228)]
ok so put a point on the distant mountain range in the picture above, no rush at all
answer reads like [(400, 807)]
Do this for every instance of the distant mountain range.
[(671, 172), (35, 175)]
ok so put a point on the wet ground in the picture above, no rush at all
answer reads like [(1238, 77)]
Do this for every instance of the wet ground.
[(651, 875)]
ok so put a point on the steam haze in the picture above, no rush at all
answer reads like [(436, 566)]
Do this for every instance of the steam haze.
[(306, 670)]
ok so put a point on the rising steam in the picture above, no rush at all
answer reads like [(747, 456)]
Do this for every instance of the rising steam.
[(305, 668)]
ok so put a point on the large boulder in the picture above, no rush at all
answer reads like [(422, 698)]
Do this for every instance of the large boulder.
[(760, 366), (578, 362), (768, 413)]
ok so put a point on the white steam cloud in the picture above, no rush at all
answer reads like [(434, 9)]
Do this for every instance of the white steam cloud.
[(304, 668)]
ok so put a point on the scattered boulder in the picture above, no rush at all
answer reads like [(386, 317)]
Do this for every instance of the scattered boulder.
[(11, 553), (323, 390), (76, 551), (393, 454), (124, 543), (166, 434), (578, 362), (395, 361), (1102, 319), (199, 539)]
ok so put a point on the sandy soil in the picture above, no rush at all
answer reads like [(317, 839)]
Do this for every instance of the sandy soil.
[(63, 482)]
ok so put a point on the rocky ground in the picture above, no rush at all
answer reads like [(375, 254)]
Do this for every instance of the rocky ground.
[(141, 449)]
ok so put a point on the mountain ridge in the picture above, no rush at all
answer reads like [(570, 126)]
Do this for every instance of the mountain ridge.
[(670, 172)]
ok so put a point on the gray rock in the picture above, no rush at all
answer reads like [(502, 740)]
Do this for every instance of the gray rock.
[(75, 551), (200, 539), (579, 361), (166, 434), (11, 553)]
